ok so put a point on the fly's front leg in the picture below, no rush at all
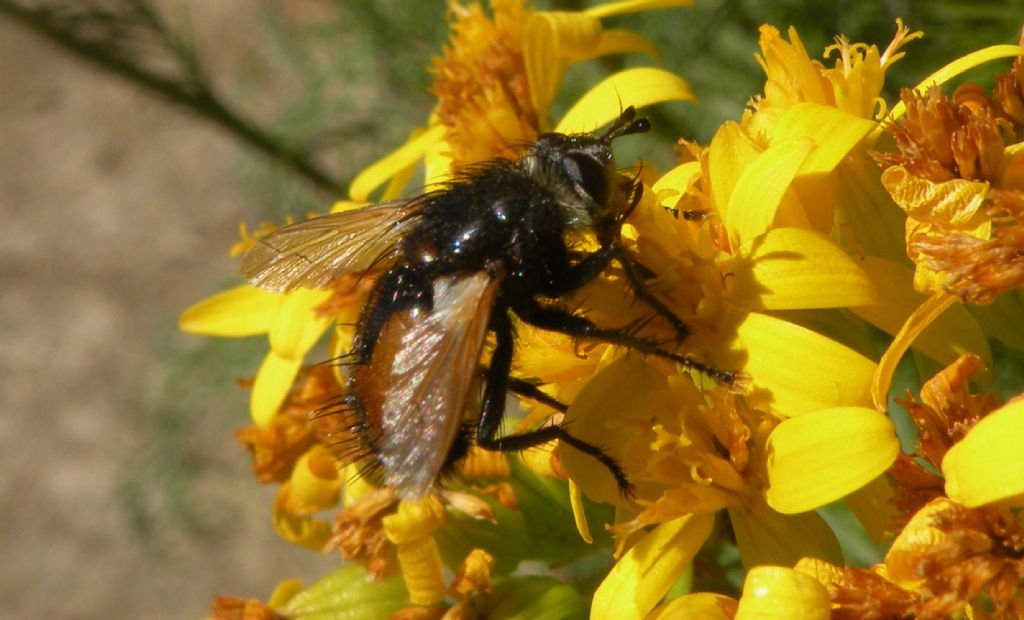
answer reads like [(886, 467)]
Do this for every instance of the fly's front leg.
[(558, 320), (493, 409), (587, 269), (635, 276), (635, 272)]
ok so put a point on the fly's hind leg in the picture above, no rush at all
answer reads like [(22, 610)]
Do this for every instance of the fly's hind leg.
[(493, 409), (533, 392)]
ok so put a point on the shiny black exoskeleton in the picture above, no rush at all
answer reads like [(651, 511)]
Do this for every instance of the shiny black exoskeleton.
[(516, 220)]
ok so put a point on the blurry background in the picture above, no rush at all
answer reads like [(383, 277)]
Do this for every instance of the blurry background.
[(123, 492)]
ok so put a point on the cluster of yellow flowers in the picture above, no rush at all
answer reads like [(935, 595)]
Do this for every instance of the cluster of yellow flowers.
[(796, 267)]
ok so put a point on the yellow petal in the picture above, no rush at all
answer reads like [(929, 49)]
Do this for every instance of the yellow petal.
[(552, 39), (918, 539), (836, 134), (698, 606), (637, 87), (600, 414), (645, 573), (767, 537), (315, 479), (377, 173), (298, 527), (729, 154), (804, 370), (437, 165), (772, 592), (865, 214), (918, 320), (414, 520), (957, 203), (284, 592), (578, 513), (298, 325), (675, 182), (987, 465), (240, 311), (955, 68), (823, 572), (823, 456), (609, 9), (793, 269), (273, 380), (950, 335), (422, 571), (761, 187)]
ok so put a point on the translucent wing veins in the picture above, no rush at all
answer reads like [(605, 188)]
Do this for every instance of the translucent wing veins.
[(310, 254)]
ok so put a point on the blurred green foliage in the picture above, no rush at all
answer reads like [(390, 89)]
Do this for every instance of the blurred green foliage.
[(361, 66)]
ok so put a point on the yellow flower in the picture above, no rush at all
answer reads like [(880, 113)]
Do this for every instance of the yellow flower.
[(805, 435), (948, 557), (956, 174), (498, 77), (853, 84), (948, 561)]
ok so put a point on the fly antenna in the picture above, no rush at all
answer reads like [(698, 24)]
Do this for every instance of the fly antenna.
[(626, 124)]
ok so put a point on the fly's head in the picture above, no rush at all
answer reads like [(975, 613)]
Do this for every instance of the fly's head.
[(581, 170)]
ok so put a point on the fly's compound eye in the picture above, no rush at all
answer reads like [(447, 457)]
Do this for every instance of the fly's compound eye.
[(588, 174)]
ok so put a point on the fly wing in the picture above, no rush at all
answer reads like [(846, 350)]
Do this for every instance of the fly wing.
[(429, 380), (310, 254)]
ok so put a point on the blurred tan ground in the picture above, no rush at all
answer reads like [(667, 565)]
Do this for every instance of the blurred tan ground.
[(116, 213)]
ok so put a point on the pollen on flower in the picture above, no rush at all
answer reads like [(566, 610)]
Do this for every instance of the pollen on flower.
[(860, 593), (481, 85), (473, 576), (275, 449), (979, 270), (948, 559), (961, 186), (940, 140), (699, 460), (359, 533), (1009, 95), (853, 85), (903, 36)]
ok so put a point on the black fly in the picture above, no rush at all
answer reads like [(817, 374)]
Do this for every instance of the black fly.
[(456, 264)]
